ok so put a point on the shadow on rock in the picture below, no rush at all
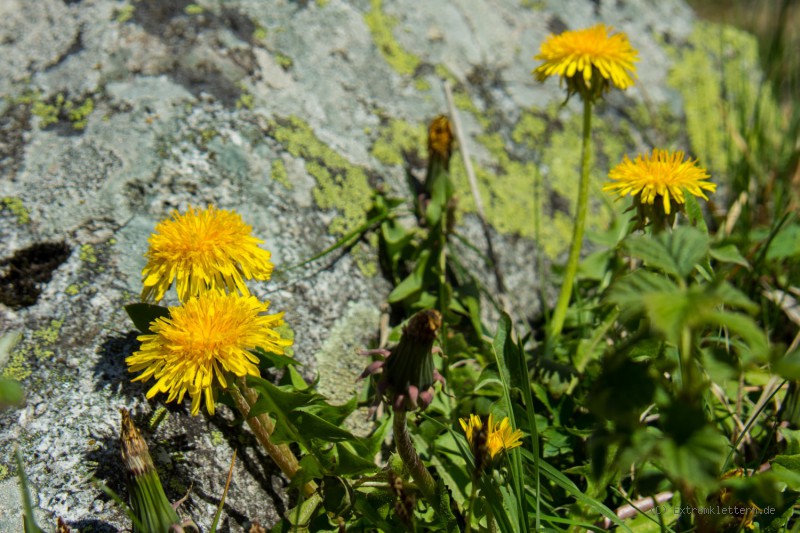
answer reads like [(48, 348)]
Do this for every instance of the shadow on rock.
[(90, 524), (111, 372), (252, 458)]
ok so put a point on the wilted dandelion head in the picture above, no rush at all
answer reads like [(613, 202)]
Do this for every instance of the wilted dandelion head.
[(588, 60), (203, 249), (203, 343), (662, 177), (440, 138)]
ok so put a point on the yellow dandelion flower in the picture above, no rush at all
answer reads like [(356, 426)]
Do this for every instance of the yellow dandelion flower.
[(587, 59), (204, 340), (203, 249), (500, 436), (663, 176)]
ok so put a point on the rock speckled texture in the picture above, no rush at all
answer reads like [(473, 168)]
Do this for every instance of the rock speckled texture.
[(275, 109)]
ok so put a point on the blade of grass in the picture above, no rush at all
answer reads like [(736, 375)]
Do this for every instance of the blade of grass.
[(499, 347), (343, 241), (224, 494), (29, 520)]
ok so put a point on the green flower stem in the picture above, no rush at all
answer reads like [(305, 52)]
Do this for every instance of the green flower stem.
[(564, 296), (262, 428), (406, 451)]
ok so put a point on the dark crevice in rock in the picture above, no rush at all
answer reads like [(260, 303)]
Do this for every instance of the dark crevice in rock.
[(183, 34), (155, 15), (27, 270)]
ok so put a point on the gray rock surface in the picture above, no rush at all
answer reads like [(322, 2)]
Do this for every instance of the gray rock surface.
[(240, 105)]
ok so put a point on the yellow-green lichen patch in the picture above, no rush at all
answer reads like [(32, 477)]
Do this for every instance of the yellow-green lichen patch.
[(422, 85), (341, 185), (719, 79), (3, 472), (280, 174), (88, 254), (217, 438), (398, 137), (193, 9), (49, 334), (513, 191), (59, 108), (18, 367), (16, 208), (380, 26), (124, 13), (41, 341), (365, 256)]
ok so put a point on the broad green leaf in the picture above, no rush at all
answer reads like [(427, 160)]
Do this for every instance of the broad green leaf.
[(729, 253), (788, 367), (143, 315), (413, 283), (668, 312), (11, 392), (787, 467), (785, 244)]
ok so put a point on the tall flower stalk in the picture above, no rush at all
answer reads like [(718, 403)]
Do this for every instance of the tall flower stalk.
[(589, 61), (407, 381)]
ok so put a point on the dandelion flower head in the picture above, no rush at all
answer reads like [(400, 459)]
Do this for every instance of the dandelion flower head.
[(500, 435), (663, 175), (203, 249), (204, 340), (587, 59)]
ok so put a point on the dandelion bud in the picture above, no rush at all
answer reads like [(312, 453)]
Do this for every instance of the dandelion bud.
[(148, 501), (408, 372)]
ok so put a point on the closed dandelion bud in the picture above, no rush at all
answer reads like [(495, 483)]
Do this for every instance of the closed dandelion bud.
[(438, 187), (408, 373), (440, 141), (149, 503)]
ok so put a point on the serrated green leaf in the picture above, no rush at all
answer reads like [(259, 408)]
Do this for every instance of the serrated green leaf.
[(276, 360), (676, 253), (143, 315), (312, 426), (350, 462), (629, 290), (695, 213)]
